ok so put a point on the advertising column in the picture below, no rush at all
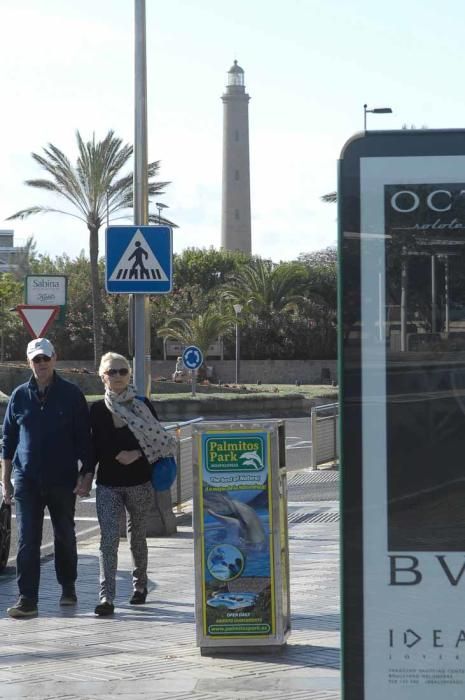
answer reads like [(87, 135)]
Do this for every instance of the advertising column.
[(235, 551)]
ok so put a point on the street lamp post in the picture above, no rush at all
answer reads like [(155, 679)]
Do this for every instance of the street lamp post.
[(160, 206), (237, 310), (377, 110)]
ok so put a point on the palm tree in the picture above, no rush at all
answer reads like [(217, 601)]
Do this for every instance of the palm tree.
[(202, 330), (93, 190), (264, 288)]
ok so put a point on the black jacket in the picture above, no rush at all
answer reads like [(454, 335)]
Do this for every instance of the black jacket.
[(108, 441)]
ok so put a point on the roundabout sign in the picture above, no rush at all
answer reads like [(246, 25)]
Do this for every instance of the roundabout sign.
[(192, 357)]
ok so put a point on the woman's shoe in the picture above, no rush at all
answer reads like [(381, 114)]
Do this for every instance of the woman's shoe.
[(105, 608), (138, 597)]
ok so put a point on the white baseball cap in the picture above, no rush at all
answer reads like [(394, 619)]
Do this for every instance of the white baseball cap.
[(39, 346)]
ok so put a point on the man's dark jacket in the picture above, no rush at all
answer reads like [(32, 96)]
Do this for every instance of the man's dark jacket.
[(46, 437)]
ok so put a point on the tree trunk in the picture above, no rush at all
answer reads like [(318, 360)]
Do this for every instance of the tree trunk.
[(96, 295)]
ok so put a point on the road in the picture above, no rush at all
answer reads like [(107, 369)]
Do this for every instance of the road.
[(298, 456)]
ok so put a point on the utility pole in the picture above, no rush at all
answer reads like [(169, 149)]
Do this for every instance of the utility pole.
[(142, 355)]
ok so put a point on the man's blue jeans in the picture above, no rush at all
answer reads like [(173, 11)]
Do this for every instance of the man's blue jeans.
[(31, 500)]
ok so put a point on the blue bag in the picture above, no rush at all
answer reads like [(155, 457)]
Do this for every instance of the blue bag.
[(164, 473)]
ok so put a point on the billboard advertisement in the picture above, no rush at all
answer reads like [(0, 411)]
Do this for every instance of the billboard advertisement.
[(402, 348)]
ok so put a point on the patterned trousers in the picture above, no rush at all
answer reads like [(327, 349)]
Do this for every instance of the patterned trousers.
[(111, 502)]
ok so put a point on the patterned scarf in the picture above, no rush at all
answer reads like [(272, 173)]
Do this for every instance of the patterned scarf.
[(153, 439)]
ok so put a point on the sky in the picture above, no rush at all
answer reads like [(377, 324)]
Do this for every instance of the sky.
[(310, 66)]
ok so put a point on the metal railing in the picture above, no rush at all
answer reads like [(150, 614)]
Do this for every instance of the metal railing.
[(182, 488), (325, 434)]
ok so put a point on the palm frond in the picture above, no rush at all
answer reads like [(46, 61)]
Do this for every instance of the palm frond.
[(156, 219), (43, 185), (157, 187), (153, 168), (24, 213), (329, 198), (58, 166)]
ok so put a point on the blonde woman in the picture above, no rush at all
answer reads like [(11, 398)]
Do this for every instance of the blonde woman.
[(128, 439)]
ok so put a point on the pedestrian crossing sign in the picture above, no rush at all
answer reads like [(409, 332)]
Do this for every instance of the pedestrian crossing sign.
[(139, 259)]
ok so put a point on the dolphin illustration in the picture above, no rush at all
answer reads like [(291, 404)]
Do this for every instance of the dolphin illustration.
[(251, 459), (233, 601), (237, 516)]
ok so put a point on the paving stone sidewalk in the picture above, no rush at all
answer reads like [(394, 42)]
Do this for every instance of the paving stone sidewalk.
[(150, 651)]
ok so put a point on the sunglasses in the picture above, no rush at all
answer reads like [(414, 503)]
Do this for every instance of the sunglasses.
[(41, 358), (123, 372)]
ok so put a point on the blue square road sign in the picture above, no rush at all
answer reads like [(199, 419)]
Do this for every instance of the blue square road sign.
[(139, 259)]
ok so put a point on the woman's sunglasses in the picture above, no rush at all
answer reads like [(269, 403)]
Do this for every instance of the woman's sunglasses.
[(41, 358), (123, 372)]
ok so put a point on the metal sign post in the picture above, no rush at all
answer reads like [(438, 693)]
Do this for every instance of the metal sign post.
[(194, 381), (142, 357), (192, 359), (401, 199)]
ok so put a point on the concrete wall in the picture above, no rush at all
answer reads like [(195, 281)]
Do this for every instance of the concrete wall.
[(273, 371), (13, 375), (251, 371)]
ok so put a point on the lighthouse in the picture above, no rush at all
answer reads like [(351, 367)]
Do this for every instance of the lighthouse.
[(235, 216)]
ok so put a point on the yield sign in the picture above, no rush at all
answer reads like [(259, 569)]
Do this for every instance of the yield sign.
[(37, 319)]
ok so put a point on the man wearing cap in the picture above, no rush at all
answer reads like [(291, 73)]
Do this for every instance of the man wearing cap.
[(46, 431)]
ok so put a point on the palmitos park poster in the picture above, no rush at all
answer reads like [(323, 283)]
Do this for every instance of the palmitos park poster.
[(402, 345), (236, 561)]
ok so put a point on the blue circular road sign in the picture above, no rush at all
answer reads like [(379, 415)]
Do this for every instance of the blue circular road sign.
[(192, 357)]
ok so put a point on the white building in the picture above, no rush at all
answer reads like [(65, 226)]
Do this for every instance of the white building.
[(9, 253)]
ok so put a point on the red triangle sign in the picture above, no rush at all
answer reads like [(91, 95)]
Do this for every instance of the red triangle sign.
[(37, 319)]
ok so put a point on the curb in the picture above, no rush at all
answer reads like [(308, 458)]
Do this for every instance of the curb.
[(253, 406)]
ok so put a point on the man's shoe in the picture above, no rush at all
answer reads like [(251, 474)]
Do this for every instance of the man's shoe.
[(68, 597), (138, 597), (23, 608), (104, 609)]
